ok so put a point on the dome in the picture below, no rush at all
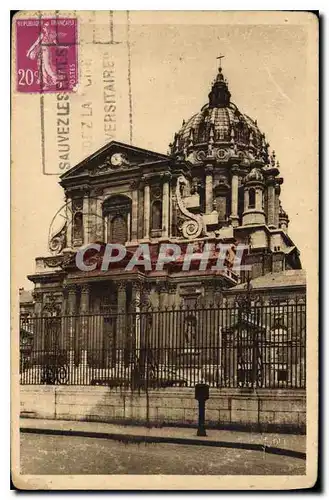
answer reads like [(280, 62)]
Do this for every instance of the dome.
[(219, 129), (254, 175)]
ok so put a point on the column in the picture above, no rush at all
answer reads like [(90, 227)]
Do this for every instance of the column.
[(38, 341), (145, 289), (165, 208), (85, 219), (99, 220), (209, 189), (71, 309), (121, 314), (271, 203), (172, 289), (134, 212), (84, 323), (162, 289), (234, 196), (146, 211), (246, 199)]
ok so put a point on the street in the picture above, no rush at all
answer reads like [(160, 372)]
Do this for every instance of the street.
[(47, 454)]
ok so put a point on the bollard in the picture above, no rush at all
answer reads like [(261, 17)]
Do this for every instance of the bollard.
[(201, 395)]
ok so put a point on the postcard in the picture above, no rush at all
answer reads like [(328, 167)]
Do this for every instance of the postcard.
[(164, 250)]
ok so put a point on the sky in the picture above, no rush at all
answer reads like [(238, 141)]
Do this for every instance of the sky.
[(271, 71)]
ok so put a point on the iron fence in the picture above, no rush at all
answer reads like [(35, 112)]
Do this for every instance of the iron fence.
[(261, 346)]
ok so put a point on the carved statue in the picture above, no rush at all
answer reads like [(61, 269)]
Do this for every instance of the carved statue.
[(190, 331)]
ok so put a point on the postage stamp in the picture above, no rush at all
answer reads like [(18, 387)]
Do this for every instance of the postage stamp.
[(46, 55)]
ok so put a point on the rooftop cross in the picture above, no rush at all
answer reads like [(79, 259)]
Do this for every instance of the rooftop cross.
[(219, 95), (220, 60)]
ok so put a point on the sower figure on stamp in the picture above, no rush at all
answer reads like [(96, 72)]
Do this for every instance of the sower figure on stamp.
[(41, 49)]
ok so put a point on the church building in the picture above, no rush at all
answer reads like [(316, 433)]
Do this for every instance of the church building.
[(219, 183)]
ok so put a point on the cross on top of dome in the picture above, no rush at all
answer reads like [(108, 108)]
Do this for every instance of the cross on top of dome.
[(219, 95)]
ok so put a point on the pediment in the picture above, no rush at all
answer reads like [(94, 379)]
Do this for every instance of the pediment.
[(114, 157)]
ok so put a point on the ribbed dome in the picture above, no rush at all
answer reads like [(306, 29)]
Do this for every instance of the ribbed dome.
[(221, 125)]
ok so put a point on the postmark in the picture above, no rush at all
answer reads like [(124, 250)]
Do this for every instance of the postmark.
[(46, 54), (74, 124)]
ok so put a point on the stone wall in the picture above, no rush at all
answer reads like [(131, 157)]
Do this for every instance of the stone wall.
[(272, 410)]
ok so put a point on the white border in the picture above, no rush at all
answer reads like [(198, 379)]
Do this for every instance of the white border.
[(5, 175)]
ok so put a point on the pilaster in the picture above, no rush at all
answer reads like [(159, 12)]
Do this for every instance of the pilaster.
[(134, 211)]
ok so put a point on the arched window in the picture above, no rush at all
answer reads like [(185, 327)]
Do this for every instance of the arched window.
[(117, 215), (156, 221), (252, 198)]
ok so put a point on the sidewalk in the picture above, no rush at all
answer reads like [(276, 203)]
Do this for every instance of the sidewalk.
[(282, 444)]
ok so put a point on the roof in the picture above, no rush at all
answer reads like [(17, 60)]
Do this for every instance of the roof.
[(25, 296), (291, 277), (152, 155), (222, 119), (220, 122)]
